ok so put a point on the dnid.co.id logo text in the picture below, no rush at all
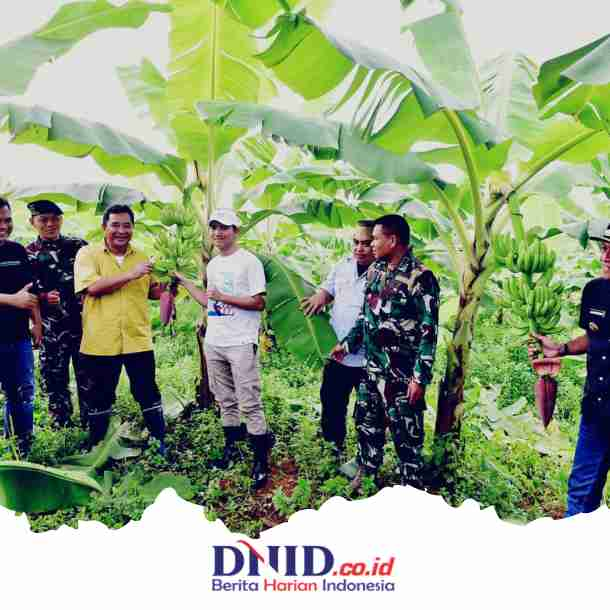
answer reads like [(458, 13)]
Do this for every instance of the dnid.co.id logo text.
[(292, 568)]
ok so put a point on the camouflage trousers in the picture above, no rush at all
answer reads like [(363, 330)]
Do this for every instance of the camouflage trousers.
[(57, 350), (381, 400)]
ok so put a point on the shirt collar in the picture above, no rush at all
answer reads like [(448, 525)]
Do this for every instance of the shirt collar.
[(355, 268), (127, 253), (406, 264), (49, 243)]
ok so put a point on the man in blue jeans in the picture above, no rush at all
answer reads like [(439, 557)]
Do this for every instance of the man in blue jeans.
[(592, 457), (17, 306)]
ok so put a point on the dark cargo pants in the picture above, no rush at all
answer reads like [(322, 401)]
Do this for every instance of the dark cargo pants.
[(57, 350)]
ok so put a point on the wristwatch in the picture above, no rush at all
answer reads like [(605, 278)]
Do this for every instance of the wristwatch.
[(564, 350)]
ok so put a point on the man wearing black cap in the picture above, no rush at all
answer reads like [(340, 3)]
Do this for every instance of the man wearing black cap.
[(52, 258), (592, 457)]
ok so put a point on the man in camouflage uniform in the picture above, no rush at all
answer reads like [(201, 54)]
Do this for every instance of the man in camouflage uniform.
[(398, 327), (52, 258)]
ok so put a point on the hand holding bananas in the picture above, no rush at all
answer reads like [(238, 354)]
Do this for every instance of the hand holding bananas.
[(535, 308), (178, 249)]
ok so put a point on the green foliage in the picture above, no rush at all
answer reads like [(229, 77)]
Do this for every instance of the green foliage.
[(27, 487), (81, 195), (113, 151), (309, 338), (69, 25), (298, 500)]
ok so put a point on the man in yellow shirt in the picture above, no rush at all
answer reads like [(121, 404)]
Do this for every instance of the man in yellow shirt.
[(116, 282)]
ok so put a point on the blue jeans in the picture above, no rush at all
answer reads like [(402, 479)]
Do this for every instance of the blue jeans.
[(17, 380), (590, 468)]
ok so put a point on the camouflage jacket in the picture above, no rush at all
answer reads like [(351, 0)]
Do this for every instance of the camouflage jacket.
[(53, 269), (398, 324)]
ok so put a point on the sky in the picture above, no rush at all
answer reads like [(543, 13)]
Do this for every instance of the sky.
[(84, 83)]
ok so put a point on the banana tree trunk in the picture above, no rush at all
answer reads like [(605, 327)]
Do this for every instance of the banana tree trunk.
[(204, 396), (451, 393)]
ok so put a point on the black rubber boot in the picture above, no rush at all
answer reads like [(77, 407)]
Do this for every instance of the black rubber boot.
[(231, 453), (155, 422), (98, 426), (24, 444), (243, 432), (260, 445)]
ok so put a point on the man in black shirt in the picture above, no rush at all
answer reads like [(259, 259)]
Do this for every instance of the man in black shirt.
[(17, 305), (592, 457)]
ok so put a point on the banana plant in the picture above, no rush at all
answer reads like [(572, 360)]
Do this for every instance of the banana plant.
[(407, 125), (485, 123)]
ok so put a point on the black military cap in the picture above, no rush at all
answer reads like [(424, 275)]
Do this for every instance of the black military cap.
[(44, 206)]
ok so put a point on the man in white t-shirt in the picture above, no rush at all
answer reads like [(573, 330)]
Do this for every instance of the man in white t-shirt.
[(234, 298)]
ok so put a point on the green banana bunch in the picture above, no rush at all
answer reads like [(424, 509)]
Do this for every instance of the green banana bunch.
[(535, 258), (535, 309), (518, 290), (501, 246), (179, 246)]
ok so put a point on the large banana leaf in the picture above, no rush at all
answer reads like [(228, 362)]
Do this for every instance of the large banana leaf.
[(454, 66), (578, 83), (254, 14), (20, 58), (31, 488), (508, 101), (558, 182), (396, 105), (211, 58), (329, 136), (557, 132), (266, 188), (332, 214), (300, 47), (81, 194), (146, 89), (102, 452), (309, 339), (114, 152)]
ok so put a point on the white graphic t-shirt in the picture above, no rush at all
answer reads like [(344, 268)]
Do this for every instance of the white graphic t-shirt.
[(239, 274)]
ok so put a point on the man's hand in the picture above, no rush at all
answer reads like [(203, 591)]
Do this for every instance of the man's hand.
[(36, 335), (53, 297), (214, 294), (313, 304), (550, 349), (141, 269), (24, 299), (415, 392), (179, 277), (338, 353)]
